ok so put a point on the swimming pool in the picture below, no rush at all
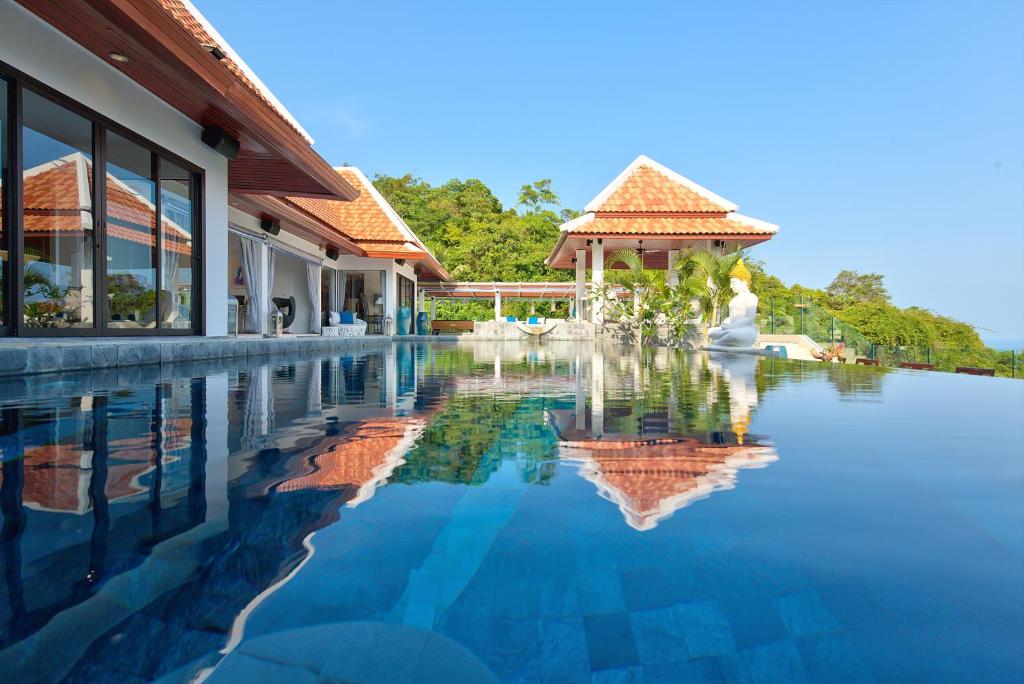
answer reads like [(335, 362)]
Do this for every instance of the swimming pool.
[(433, 512)]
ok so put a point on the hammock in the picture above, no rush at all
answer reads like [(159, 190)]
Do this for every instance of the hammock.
[(536, 328)]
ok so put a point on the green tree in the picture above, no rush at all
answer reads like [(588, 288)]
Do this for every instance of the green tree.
[(850, 288)]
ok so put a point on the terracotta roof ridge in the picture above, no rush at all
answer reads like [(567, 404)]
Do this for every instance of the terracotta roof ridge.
[(645, 161)]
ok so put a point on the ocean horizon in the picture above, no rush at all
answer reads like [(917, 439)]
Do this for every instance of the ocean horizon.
[(1006, 345)]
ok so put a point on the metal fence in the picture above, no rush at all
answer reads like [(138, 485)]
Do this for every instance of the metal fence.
[(805, 318)]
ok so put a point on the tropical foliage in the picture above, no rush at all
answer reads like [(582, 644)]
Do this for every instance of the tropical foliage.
[(469, 231), (476, 238)]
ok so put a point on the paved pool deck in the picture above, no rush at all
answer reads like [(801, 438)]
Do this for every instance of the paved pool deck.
[(29, 356)]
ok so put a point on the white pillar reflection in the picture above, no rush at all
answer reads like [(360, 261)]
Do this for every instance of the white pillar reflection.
[(597, 394)]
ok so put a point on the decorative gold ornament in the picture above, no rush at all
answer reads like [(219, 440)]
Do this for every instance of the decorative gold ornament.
[(740, 272)]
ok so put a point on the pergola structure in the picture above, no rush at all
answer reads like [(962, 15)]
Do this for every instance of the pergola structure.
[(497, 292), (652, 209)]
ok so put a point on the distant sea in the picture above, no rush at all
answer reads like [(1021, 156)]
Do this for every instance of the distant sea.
[(1006, 345)]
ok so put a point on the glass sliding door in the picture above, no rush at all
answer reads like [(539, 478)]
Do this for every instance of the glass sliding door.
[(5, 184), (131, 254), (177, 246), (100, 230), (57, 216)]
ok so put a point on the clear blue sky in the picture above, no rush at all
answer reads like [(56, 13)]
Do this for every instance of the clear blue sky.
[(884, 137)]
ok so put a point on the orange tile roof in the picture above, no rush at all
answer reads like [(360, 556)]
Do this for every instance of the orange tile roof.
[(650, 481), (673, 225), (646, 189), (58, 200), (369, 221), (648, 199), (366, 458)]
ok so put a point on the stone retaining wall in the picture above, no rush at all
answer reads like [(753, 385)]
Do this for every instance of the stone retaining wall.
[(29, 356)]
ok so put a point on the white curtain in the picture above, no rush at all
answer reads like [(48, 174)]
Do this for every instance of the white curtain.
[(334, 277), (313, 288), (171, 265), (253, 283), (258, 412)]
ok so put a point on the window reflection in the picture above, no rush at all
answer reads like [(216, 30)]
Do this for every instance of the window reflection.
[(176, 245), (58, 216), (131, 237), (3, 189)]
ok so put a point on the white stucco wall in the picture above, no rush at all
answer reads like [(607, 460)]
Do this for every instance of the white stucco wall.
[(34, 47)]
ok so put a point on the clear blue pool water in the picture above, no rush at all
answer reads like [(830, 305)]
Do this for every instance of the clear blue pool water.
[(508, 513)]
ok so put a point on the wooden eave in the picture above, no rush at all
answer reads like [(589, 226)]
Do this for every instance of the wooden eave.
[(166, 59)]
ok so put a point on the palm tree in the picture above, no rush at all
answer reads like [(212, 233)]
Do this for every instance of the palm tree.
[(704, 277)]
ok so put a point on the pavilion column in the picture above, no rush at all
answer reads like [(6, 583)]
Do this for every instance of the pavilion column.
[(581, 277), (597, 277), (673, 257), (433, 307), (497, 305)]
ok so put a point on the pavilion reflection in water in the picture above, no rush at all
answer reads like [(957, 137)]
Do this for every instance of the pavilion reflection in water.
[(171, 499), (651, 462)]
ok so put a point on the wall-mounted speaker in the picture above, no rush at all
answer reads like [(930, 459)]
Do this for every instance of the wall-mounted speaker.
[(270, 225), (400, 262), (333, 253), (217, 138)]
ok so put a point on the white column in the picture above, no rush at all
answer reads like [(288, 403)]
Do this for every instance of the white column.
[(497, 305), (581, 277), (597, 277), (391, 293), (433, 307), (673, 257), (215, 242)]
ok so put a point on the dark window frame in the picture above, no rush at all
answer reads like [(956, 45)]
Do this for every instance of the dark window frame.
[(17, 82)]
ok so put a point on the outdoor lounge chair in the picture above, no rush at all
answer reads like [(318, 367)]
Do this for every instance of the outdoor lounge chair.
[(286, 305), (861, 361), (971, 370), (917, 365)]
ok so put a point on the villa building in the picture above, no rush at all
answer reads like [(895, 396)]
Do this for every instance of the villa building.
[(652, 209), (210, 190)]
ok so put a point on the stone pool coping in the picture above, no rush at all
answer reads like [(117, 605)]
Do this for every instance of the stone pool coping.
[(30, 356)]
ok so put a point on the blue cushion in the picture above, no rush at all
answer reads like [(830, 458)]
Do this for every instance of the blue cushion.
[(533, 320), (510, 319), (347, 317)]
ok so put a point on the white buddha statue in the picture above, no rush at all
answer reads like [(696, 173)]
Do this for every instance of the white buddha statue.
[(737, 331)]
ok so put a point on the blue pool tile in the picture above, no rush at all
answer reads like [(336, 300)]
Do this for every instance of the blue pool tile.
[(697, 671), (834, 659), (307, 648), (515, 650), (375, 652), (241, 668), (754, 622), (805, 614), (557, 596), (564, 650), (658, 636), (705, 628), (610, 642), (767, 664), (656, 586), (420, 615), (600, 590), (623, 675)]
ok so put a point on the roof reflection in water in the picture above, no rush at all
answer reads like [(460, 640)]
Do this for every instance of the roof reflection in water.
[(651, 473)]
